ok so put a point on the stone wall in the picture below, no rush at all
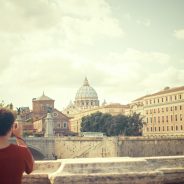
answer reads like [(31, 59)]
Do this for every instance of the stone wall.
[(73, 147), (150, 146), (152, 170), (78, 147)]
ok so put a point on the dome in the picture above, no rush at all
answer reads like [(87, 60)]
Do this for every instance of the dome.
[(43, 98), (86, 96), (86, 92)]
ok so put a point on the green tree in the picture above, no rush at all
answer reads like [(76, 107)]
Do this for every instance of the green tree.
[(113, 125)]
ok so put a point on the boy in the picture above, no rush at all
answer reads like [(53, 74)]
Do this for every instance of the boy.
[(14, 159)]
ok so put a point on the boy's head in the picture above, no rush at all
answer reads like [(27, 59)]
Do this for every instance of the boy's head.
[(6, 121)]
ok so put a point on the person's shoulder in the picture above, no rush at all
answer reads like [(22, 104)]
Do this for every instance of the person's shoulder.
[(20, 148)]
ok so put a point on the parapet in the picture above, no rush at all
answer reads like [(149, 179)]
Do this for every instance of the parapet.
[(116, 170)]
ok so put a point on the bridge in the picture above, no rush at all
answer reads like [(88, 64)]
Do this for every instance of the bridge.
[(85, 147), (41, 147)]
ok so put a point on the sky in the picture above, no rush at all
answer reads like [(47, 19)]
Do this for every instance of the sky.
[(126, 49)]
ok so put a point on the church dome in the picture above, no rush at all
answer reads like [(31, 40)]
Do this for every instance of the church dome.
[(86, 96), (86, 92), (43, 98)]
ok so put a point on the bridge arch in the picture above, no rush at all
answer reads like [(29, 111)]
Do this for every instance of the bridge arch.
[(37, 153)]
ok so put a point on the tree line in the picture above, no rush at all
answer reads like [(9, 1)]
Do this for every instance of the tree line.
[(113, 125)]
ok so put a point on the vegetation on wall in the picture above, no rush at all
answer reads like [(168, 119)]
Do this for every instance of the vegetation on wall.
[(113, 125)]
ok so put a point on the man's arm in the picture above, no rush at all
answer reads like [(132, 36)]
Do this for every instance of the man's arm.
[(29, 160)]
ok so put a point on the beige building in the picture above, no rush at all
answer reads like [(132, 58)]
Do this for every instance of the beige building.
[(113, 109), (86, 103), (163, 111)]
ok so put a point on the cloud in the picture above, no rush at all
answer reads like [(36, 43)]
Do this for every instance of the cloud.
[(179, 34), (144, 22), (41, 25)]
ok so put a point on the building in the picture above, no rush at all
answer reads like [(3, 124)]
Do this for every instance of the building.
[(86, 103), (61, 124), (163, 111), (113, 109), (41, 107), (86, 97)]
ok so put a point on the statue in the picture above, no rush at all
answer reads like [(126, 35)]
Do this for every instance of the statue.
[(49, 109), (18, 110)]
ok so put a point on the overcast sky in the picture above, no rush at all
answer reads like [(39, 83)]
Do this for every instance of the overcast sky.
[(126, 48)]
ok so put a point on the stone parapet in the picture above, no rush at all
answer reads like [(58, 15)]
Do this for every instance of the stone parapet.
[(117, 170)]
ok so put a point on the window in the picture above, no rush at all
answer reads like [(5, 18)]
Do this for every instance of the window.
[(163, 128), (181, 117), (171, 108), (167, 128), (176, 127), (175, 97), (179, 96), (154, 101), (175, 108), (158, 110), (162, 99), (155, 129), (151, 129), (180, 107), (147, 120), (176, 117), (171, 118), (159, 119), (181, 127), (162, 119), (172, 128), (159, 129), (154, 111), (158, 100), (146, 112), (166, 98), (167, 109), (65, 125), (150, 101), (166, 118)]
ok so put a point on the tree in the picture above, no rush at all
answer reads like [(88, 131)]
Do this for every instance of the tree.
[(113, 125)]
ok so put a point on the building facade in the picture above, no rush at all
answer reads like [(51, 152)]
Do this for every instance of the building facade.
[(163, 111), (41, 105), (86, 97), (86, 103)]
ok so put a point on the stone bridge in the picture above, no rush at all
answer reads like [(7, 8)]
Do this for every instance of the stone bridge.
[(90, 147), (126, 170), (41, 147)]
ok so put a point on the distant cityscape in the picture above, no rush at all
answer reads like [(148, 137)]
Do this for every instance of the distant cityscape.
[(162, 111)]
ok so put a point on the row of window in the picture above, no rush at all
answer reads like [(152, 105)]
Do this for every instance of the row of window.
[(87, 103), (168, 128), (165, 118), (59, 125), (166, 109), (164, 99)]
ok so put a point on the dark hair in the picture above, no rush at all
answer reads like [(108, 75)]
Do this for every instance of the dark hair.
[(6, 121)]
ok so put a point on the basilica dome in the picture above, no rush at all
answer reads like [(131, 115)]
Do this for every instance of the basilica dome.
[(86, 96)]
